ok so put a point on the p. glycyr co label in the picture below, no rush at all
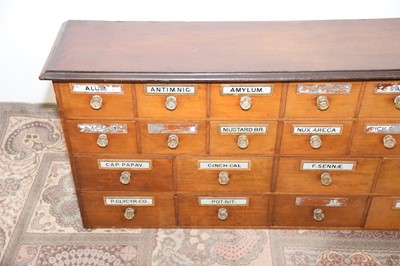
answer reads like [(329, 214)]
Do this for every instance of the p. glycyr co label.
[(128, 201)]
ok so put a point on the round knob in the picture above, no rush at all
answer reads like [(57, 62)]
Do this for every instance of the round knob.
[(243, 142), (222, 214), (129, 213), (171, 103), (326, 179), (96, 102), (315, 142), (318, 215), (389, 142), (102, 140), (173, 141), (245, 103), (125, 178), (322, 103), (223, 178), (397, 102)]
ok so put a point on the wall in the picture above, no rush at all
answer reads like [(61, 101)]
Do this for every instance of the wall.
[(28, 28)]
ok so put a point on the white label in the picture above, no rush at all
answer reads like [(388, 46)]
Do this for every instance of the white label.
[(128, 201), (99, 128), (387, 89), (169, 89), (256, 89), (97, 88), (243, 129), (327, 88), (317, 130), (171, 129), (331, 166), (396, 204), (125, 164), (382, 129), (208, 201), (217, 164), (321, 201)]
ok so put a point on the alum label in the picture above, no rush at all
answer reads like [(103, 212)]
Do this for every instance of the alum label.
[(317, 130), (327, 88), (222, 201), (98, 88), (243, 129), (125, 164), (129, 201), (221, 164), (387, 88), (100, 128), (321, 201), (246, 89), (382, 129), (396, 204), (171, 129), (331, 166), (170, 89)]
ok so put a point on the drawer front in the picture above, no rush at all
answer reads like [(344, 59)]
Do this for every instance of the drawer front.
[(217, 211), (124, 173), (243, 137), (389, 177), (224, 174), (327, 176), (177, 137), (384, 213), (327, 137), (90, 136), (381, 99), (124, 209), (96, 100), (319, 211), (322, 100), (171, 100), (377, 138), (246, 101)]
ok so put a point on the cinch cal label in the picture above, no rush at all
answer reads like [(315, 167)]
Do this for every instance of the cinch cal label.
[(129, 201), (125, 164), (219, 201), (246, 89), (220, 164)]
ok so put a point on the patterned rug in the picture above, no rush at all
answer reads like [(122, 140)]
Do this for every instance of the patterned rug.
[(40, 222)]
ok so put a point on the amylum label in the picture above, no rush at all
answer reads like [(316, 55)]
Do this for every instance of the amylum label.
[(321, 201), (98, 88), (100, 128), (171, 129), (243, 129), (129, 201), (327, 88), (170, 89), (221, 164), (388, 88), (382, 129), (125, 164), (246, 89), (220, 201), (331, 166), (396, 204), (317, 130)]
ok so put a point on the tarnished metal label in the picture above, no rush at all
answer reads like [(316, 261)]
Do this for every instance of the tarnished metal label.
[(222, 201), (171, 129), (326, 88), (387, 88), (124, 164), (328, 165), (129, 201), (382, 129), (317, 130), (242, 129), (321, 201), (100, 128), (170, 89), (246, 89), (98, 88), (396, 204), (223, 164)]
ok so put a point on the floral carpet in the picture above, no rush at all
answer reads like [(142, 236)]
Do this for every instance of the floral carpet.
[(40, 222)]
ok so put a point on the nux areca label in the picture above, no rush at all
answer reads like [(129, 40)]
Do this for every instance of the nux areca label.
[(124, 164), (317, 129), (328, 165), (247, 89), (170, 89), (128, 201), (223, 201), (98, 88)]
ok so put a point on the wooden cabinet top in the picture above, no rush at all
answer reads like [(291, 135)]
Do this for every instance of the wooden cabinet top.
[(226, 51)]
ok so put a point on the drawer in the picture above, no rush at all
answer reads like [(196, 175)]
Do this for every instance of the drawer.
[(242, 137), (322, 100), (384, 213), (96, 100), (319, 211), (389, 177), (171, 100), (381, 99), (177, 137), (224, 174), (124, 173), (222, 211), (331, 137), (326, 176), (246, 101), (377, 138), (93, 136), (127, 209)]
